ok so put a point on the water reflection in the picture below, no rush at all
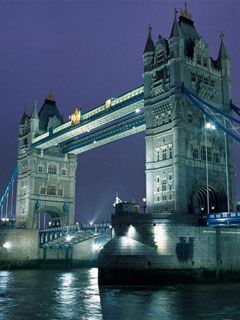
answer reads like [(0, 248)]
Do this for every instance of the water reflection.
[(61, 294)]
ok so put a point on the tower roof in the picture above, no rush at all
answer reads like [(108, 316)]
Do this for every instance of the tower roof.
[(175, 28), (223, 54), (48, 110), (34, 112), (25, 117), (149, 47)]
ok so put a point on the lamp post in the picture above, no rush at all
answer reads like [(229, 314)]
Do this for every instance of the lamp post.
[(207, 126), (144, 205)]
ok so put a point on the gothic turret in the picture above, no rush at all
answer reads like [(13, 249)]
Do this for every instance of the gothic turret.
[(49, 115), (175, 32), (224, 64), (34, 121), (149, 49)]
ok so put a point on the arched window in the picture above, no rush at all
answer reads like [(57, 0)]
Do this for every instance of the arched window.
[(52, 168), (52, 190)]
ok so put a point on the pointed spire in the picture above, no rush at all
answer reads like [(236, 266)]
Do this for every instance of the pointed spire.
[(34, 112), (175, 28), (185, 13), (50, 97), (149, 44), (223, 54), (25, 116)]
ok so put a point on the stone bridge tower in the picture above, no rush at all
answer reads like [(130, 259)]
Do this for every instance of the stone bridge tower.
[(46, 179), (175, 130)]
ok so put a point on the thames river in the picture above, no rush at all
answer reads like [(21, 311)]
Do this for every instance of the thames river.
[(74, 294)]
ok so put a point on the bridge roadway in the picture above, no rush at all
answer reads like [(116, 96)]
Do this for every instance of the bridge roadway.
[(65, 237), (125, 117)]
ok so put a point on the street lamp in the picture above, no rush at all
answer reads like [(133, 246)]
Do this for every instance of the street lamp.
[(144, 205), (207, 126)]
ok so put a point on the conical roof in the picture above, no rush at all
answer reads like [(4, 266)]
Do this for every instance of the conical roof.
[(149, 47), (48, 110)]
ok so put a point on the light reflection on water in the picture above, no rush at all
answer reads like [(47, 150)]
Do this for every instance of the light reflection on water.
[(74, 294)]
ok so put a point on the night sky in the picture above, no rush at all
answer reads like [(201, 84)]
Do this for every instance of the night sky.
[(86, 52)]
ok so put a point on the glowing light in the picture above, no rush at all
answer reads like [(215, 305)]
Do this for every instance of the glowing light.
[(202, 209), (209, 125), (131, 231), (7, 245), (137, 110), (69, 238), (160, 237), (91, 223), (94, 141), (96, 247), (144, 199), (213, 207), (76, 116)]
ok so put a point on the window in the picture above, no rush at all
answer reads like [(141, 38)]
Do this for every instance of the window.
[(193, 77), (164, 185), (158, 179), (211, 83), (199, 60), (216, 157), (60, 192), (190, 117), (40, 169), (170, 177), (164, 197), (52, 190), (158, 154), (169, 116), (170, 152), (42, 190), (64, 172), (164, 153), (206, 81), (203, 152), (52, 168), (209, 154), (170, 187), (195, 153), (158, 189), (205, 62)]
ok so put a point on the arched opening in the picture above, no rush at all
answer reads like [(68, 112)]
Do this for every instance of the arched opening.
[(198, 203), (49, 218)]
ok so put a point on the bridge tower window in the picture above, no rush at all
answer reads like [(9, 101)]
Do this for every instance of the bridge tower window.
[(52, 168), (52, 190), (40, 169)]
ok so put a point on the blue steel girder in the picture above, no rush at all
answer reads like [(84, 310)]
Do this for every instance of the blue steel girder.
[(122, 106), (107, 135)]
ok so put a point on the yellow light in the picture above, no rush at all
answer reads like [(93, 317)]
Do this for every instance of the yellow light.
[(75, 116), (108, 103)]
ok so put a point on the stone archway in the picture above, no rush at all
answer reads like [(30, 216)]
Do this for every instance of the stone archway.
[(198, 198), (54, 217)]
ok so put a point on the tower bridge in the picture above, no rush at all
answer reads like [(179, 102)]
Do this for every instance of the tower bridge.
[(184, 107)]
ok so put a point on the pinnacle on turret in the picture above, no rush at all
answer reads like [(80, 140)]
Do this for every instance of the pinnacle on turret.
[(175, 32), (149, 44), (50, 97), (223, 54), (25, 116), (34, 112)]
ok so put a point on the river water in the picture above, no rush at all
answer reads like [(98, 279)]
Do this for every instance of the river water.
[(74, 294)]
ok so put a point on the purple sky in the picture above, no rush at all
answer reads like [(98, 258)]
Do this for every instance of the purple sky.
[(87, 51)]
